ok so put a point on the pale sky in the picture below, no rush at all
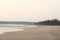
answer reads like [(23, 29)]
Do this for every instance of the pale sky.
[(29, 10)]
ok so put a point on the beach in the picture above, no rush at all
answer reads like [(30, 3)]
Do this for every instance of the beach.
[(34, 33)]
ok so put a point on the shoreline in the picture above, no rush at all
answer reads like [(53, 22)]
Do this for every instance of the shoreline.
[(34, 33)]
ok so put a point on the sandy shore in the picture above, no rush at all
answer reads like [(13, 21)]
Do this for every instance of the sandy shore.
[(35, 33)]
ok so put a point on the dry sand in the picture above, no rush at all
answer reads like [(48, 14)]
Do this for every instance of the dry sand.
[(35, 33)]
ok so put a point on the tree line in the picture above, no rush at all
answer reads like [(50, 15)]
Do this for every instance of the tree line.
[(49, 22)]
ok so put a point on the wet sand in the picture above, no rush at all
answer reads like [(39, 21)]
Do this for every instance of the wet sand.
[(35, 33)]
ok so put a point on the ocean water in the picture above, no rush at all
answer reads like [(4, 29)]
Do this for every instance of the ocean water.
[(13, 27)]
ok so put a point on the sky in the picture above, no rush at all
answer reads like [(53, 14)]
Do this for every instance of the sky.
[(29, 10)]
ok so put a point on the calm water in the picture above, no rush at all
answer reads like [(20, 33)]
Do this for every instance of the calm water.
[(14, 25)]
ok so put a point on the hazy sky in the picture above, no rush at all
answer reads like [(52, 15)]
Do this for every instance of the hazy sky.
[(29, 10)]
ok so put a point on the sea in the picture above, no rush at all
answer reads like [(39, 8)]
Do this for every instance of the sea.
[(14, 27)]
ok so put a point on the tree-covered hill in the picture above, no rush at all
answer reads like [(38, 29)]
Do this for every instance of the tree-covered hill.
[(49, 22)]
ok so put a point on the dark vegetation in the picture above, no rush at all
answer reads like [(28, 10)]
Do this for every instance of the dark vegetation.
[(49, 22)]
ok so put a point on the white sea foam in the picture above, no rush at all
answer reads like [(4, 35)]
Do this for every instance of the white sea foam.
[(9, 29), (13, 27)]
